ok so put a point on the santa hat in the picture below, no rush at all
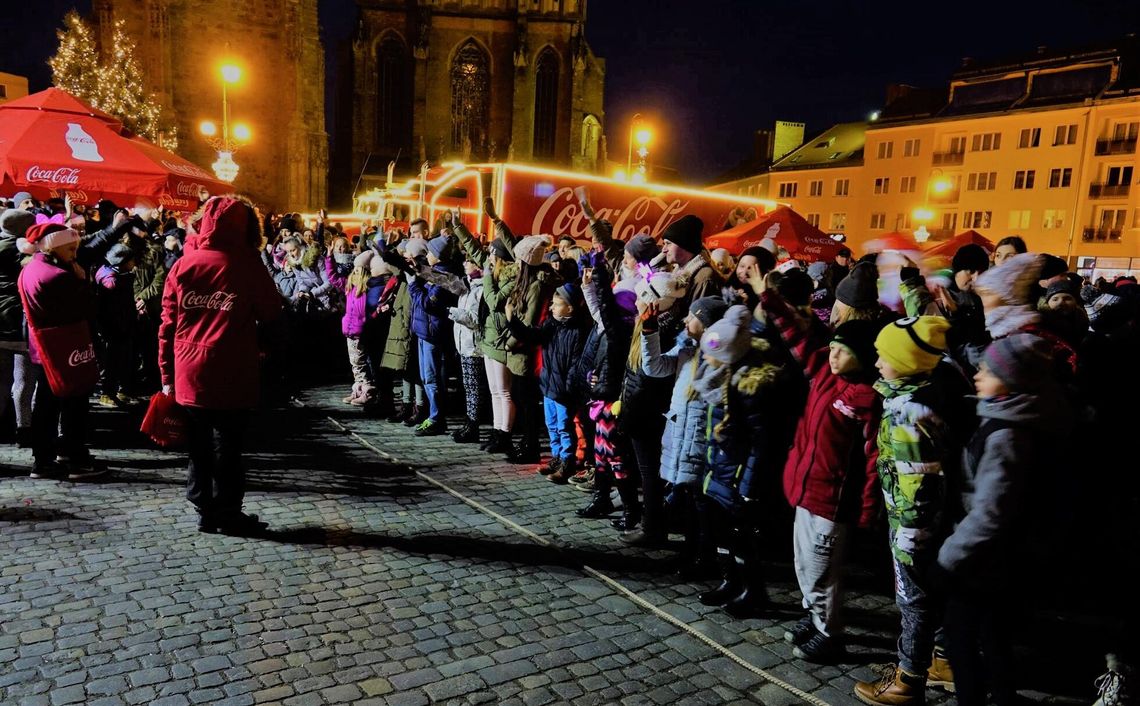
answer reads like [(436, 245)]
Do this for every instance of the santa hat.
[(49, 236)]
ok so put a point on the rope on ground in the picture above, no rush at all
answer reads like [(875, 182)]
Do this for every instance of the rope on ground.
[(589, 570)]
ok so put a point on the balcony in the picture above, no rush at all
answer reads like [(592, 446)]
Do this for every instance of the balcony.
[(1101, 235), (946, 197), (941, 233), (1109, 191), (1107, 146), (943, 158)]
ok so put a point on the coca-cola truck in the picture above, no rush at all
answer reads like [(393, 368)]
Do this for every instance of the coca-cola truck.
[(537, 200)]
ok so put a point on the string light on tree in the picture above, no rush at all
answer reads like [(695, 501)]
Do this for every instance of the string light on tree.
[(112, 83)]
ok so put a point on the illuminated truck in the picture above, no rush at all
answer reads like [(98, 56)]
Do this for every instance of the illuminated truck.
[(537, 200)]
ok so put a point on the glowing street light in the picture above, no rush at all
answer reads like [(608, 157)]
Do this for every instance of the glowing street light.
[(227, 142), (923, 215), (642, 135), (941, 186), (621, 174)]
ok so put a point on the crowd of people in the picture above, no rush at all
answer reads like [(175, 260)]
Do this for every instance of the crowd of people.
[(711, 393)]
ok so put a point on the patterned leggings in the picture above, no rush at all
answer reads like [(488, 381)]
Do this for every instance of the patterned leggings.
[(607, 439), (472, 384)]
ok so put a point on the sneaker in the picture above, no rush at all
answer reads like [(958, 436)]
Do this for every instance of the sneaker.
[(82, 469), (431, 428), (109, 402), (801, 632), (818, 648), (240, 525), (1112, 686), (585, 475), (48, 471), (126, 400)]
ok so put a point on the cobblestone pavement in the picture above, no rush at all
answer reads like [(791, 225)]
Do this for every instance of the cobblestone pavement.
[(400, 571)]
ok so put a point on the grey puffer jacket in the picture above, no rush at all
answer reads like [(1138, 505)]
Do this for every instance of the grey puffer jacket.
[(468, 329), (683, 444), (1016, 438)]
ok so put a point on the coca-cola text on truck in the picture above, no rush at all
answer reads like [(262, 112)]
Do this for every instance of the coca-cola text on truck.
[(537, 200)]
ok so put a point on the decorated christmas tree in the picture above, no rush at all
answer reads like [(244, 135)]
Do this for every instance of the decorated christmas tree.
[(113, 85)]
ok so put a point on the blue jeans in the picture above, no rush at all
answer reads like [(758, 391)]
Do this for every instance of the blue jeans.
[(434, 377), (560, 427)]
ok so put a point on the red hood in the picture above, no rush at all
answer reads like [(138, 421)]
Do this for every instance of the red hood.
[(224, 226)]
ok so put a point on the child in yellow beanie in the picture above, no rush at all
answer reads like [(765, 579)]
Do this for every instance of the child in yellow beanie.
[(913, 443)]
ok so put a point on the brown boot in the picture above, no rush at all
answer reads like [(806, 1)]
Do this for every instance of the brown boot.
[(894, 688), (940, 675)]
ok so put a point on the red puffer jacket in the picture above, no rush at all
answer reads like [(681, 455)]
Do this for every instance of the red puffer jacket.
[(830, 470), (214, 297)]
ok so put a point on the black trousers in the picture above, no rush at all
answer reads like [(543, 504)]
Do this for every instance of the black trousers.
[(59, 426), (978, 645), (216, 482), (646, 446), (528, 412), (118, 367)]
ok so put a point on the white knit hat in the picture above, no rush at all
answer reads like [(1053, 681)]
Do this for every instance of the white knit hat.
[(660, 288), (1013, 279), (531, 249)]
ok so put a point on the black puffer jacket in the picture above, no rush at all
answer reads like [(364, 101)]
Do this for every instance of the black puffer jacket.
[(11, 310), (644, 398), (562, 344), (607, 347)]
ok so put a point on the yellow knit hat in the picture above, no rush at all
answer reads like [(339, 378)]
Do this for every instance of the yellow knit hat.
[(913, 345)]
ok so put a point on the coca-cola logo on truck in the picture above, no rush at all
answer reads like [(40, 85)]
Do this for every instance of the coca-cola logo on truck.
[(81, 356), (561, 214), (68, 176), (216, 301)]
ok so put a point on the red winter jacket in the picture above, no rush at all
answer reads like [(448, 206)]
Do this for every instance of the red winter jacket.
[(830, 469), (214, 297)]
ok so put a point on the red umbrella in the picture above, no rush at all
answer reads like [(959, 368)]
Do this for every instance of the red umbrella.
[(949, 247), (51, 143), (790, 230)]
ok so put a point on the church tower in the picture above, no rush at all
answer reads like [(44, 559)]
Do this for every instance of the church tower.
[(181, 45), (475, 80)]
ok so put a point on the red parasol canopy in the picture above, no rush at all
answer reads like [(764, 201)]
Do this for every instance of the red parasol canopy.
[(790, 230), (947, 248), (52, 143)]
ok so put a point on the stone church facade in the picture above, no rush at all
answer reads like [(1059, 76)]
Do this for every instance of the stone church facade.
[(478, 80), (181, 45)]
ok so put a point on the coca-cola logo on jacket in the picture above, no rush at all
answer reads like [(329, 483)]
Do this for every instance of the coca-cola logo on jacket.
[(560, 214), (215, 301), (81, 356), (60, 175)]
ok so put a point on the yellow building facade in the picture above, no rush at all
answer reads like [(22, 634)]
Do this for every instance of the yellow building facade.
[(1044, 148)]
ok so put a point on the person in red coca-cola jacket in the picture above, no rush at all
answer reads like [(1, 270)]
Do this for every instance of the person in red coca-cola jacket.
[(55, 295), (208, 354)]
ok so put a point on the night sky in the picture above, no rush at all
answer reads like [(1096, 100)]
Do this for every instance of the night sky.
[(710, 73)]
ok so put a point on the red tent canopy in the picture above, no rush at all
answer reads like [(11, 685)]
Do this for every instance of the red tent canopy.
[(802, 240), (947, 248), (51, 143)]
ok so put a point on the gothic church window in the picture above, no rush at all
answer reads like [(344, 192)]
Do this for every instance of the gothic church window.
[(545, 103), (591, 137), (393, 104), (470, 96)]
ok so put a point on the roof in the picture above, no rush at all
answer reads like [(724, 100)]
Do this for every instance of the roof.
[(839, 146), (1046, 77)]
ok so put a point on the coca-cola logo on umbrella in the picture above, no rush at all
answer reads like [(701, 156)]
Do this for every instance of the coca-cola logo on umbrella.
[(83, 146), (67, 176), (185, 169), (560, 214)]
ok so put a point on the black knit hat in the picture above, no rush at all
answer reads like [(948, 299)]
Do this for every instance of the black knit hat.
[(971, 257), (685, 232), (860, 289), (1052, 267), (502, 250), (796, 287), (1064, 286), (765, 260), (1021, 361), (858, 336), (708, 310)]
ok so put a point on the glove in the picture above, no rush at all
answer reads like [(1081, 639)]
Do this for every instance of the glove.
[(908, 274), (452, 312)]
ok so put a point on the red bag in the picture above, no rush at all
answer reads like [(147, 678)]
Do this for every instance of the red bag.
[(68, 357), (165, 421)]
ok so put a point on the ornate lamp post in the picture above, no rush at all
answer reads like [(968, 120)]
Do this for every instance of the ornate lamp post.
[(228, 142)]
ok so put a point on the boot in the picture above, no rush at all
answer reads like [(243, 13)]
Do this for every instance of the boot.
[(893, 688), (468, 434), (416, 416), (551, 466), (940, 675), (600, 503), (500, 442), (525, 452), (355, 394), (566, 469), (729, 583), (630, 506), (364, 397), (753, 600), (399, 413)]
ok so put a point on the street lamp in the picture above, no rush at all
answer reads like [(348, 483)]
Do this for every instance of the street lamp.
[(228, 141), (640, 134)]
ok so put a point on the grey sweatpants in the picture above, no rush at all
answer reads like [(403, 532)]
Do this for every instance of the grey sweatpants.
[(820, 546)]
